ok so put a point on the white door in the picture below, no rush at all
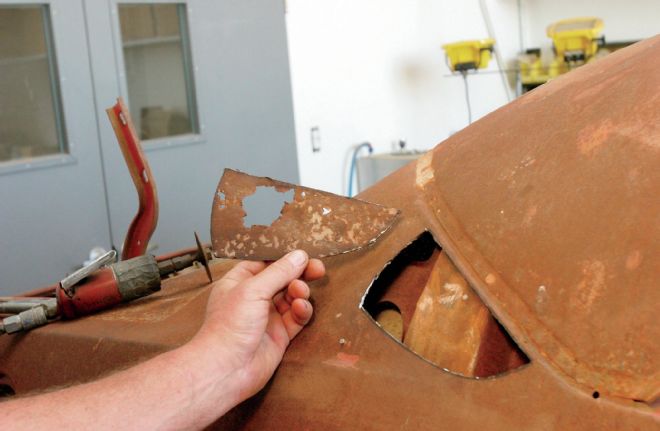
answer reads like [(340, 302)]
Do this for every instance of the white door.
[(52, 200)]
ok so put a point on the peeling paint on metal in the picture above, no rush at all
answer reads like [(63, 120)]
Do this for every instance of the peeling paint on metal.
[(591, 285), (318, 222), (424, 169), (454, 292), (343, 360), (593, 136)]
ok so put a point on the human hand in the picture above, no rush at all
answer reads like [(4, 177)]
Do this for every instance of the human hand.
[(253, 313)]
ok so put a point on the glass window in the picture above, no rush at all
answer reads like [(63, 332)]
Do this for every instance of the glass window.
[(31, 123), (158, 69)]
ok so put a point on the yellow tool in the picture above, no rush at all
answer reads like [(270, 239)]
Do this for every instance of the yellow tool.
[(576, 39), (469, 54)]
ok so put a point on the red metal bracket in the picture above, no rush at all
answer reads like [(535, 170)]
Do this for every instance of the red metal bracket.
[(146, 219)]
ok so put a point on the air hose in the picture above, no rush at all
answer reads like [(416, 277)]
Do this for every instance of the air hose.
[(351, 173)]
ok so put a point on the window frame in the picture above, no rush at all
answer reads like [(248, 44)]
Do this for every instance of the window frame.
[(67, 154), (190, 74)]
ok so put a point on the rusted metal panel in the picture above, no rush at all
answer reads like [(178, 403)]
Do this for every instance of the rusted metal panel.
[(561, 221), (579, 218), (318, 222)]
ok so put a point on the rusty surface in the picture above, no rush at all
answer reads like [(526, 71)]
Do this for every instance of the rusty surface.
[(318, 222), (557, 190), (561, 224)]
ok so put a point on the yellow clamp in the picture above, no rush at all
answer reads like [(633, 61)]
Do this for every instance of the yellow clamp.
[(469, 54), (577, 38)]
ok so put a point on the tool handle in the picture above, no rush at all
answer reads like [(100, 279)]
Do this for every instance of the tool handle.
[(122, 282), (137, 277)]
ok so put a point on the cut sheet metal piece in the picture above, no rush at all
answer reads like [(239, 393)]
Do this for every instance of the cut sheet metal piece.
[(321, 223)]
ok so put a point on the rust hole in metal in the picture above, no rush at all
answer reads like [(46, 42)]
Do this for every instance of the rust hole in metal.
[(265, 205), (442, 318)]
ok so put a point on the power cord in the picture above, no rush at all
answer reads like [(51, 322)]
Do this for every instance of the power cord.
[(467, 96)]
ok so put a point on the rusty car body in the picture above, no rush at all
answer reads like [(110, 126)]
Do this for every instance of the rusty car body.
[(523, 267)]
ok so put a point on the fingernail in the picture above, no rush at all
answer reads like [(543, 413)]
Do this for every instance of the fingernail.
[(297, 257)]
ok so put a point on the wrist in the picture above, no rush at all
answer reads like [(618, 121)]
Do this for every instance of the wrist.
[(214, 387)]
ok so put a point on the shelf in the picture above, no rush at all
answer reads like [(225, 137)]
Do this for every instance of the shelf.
[(151, 41), (23, 60)]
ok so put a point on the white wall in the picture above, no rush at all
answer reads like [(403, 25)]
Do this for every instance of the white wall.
[(345, 59), (373, 70)]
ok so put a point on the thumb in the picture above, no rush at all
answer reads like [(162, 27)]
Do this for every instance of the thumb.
[(240, 273), (278, 275)]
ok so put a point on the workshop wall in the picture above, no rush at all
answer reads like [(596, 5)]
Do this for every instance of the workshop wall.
[(374, 70)]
